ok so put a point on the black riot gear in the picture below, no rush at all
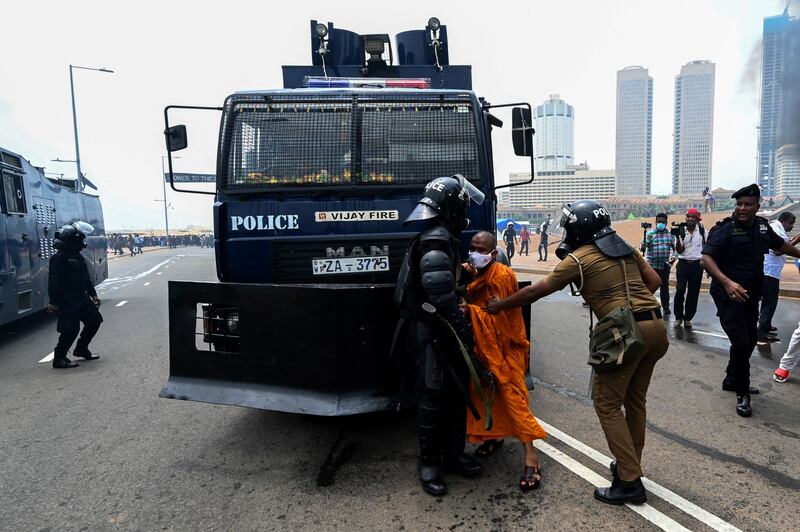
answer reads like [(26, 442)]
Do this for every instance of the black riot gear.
[(72, 295), (440, 373), (587, 221), (72, 236), (448, 198)]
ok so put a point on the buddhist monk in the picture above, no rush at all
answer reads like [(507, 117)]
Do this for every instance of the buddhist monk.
[(502, 345)]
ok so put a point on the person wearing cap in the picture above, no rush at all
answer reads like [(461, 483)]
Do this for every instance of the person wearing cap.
[(734, 258), (774, 261), (689, 273)]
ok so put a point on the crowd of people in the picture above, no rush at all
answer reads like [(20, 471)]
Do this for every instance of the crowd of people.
[(470, 351), (510, 238), (135, 243)]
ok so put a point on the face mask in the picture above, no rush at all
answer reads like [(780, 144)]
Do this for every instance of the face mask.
[(661, 226), (479, 261)]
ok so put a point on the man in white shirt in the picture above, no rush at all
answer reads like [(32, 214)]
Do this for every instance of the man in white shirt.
[(792, 356), (773, 266), (689, 272)]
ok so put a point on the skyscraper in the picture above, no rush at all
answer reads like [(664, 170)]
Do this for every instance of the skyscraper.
[(779, 77), (634, 131), (554, 125), (693, 134)]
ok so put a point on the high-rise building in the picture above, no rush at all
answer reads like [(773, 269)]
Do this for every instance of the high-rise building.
[(693, 134), (779, 76), (787, 170), (554, 125), (634, 130)]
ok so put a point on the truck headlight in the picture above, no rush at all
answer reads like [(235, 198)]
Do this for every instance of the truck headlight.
[(232, 322)]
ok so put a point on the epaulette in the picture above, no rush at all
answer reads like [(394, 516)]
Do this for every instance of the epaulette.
[(761, 219), (724, 221)]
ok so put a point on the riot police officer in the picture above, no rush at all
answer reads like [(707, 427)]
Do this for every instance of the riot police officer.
[(734, 258), (72, 295), (429, 275)]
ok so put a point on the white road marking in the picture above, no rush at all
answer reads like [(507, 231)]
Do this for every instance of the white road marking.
[(129, 278), (645, 510), (656, 489), (122, 303), (147, 283), (48, 358), (710, 334), (159, 273)]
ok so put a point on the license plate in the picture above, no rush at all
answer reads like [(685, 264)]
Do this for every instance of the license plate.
[(341, 265)]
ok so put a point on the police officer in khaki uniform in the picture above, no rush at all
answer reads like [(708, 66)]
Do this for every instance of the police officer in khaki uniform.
[(589, 238), (734, 257)]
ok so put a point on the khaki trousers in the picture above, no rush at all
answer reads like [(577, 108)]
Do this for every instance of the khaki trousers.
[(627, 386)]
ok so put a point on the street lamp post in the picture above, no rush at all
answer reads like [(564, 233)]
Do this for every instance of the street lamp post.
[(75, 118), (164, 187)]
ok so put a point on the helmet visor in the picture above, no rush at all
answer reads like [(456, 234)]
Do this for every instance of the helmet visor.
[(83, 227), (566, 214), (468, 190), (421, 212)]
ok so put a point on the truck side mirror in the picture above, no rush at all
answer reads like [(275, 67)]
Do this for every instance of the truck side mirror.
[(522, 131), (176, 138)]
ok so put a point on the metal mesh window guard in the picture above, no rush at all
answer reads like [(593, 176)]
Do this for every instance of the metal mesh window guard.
[(362, 142)]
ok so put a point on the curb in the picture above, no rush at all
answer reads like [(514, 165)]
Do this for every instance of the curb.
[(784, 292)]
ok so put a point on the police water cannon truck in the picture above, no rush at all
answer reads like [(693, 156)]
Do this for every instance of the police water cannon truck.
[(32, 208), (313, 182)]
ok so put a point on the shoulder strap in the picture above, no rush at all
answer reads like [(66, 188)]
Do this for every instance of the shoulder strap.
[(625, 277), (580, 269)]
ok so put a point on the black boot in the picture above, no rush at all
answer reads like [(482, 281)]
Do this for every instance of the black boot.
[(431, 478), (64, 363), (728, 385), (743, 405), (613, 468), (463, 465), (84, 354), (622, 491)]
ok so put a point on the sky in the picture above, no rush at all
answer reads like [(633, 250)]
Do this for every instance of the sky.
[(191, 53)]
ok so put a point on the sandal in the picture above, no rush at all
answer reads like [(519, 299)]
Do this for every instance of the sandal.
[(529, 480), (488, 447)]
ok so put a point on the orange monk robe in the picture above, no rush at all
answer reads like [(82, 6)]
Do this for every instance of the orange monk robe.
[(503, 347)]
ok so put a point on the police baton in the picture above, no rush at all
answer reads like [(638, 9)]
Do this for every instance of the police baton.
[(486, 398)]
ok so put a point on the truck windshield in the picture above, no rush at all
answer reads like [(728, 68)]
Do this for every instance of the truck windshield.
[(350, 142)]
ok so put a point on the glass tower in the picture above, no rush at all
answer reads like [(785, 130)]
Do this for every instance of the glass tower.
[(693, 133), (554, 125), (634, 146)]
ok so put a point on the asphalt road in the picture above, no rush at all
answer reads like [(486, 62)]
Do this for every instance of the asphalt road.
[(94, 448)]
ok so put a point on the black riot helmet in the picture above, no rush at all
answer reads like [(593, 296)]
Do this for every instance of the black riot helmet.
[(449, 198), (587, 221), (72, 236)]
